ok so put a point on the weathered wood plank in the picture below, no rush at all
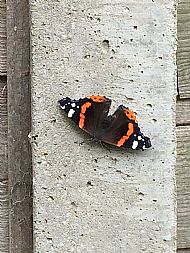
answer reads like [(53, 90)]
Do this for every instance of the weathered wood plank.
[(4, 243), (183, 112), (3, 47), (4, 221), (3, 128), (19, 155), (183, 185), (183, 55), (183, 251)]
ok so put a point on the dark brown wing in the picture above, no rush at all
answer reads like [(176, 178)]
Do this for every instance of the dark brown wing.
[(123, 130), (88, 113), (95, 115)]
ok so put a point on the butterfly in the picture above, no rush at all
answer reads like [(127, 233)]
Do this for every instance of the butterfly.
[(91, 114)]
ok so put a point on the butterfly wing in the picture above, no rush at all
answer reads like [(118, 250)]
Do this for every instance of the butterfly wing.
[(88, 113), (123, 130)]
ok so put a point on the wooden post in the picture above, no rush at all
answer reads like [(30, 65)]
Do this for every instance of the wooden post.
[(3, 167), (3, 133), (19, 121), (3, 39), (183, 127), (86, 198)]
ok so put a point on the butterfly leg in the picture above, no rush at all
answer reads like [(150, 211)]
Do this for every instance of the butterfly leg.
[(87, 141), (104, 145)]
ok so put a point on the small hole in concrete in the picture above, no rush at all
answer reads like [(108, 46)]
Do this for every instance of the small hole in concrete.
[(87, 56), (73, 203), (89, 183), (149, 105), (154, 120), (106, 44)]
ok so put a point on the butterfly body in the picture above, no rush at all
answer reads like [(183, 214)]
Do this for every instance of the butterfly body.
[(119, 129)]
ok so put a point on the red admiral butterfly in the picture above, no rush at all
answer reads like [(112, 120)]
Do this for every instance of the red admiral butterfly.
[(119, 129)]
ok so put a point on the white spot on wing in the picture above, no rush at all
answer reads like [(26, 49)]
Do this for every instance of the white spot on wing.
[(77, 106), (63, 107), (70, 113), (73, 104), (139, 138), (135, 144)]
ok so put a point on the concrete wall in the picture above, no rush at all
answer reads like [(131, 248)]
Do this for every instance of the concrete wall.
[(87, 198)]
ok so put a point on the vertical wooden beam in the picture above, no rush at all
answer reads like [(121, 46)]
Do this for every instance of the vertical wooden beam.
[(19, 152), (3, 49), (183, 127), (183, 55), (3, 167), (3, 134)]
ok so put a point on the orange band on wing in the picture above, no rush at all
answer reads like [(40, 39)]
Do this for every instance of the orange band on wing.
[(127, 136), (98, 99), (82, 116), (130, 114)]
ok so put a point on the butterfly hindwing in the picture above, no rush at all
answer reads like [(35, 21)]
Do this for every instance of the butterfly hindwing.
[(124, 131)]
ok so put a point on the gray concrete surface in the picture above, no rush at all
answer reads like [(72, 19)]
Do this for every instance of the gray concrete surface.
[(87, 199)]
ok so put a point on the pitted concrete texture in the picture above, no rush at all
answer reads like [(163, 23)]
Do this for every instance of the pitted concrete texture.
[(87, 198)]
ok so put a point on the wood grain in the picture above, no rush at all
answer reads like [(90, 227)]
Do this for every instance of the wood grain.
[(183, 186), (19, 152), (4, 243), (183, 112), (183, 251), (3, 49), (3, 128), (183, 55)]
